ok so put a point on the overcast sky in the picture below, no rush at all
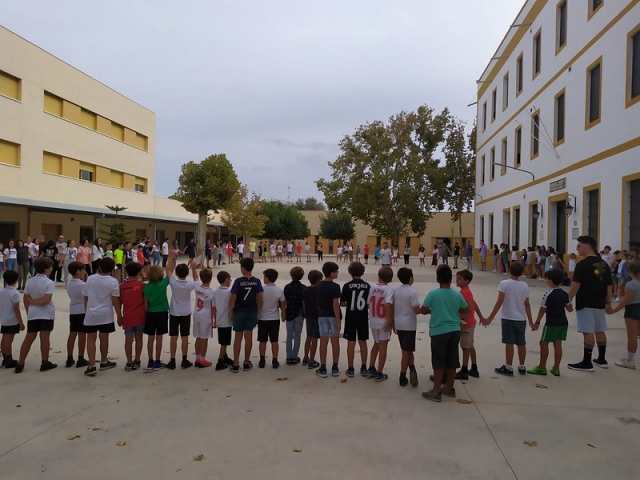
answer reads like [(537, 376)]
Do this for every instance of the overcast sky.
[(274, 84)]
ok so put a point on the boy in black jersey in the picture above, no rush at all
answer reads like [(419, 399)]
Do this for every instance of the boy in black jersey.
[(356, 324), (245, 301)]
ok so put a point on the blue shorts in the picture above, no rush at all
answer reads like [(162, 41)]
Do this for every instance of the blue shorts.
[(328, 327), (244, 321), (591, 320), (632, 311), (134, 330), (513, 332)]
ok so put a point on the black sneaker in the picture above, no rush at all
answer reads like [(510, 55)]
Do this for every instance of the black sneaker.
[(107, 365), (227, 361), (247, 366), (462, 375), (503, 370), (70, 362), (91, 371), (474, 373), (136, 364), (448, 392), (305, 361), (275, 363), (10, 363), (128, 367), (234, 368), (47, 365), (296, 361), (82, 362), (185, 364), (581, 367), (220, 365), (404, 381), (262, 362), (601, 363), (289, 361), (19, 368), (171, 365), (413, 377)]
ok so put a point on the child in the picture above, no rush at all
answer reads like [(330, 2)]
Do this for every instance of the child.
[(514, 296), (75, 290), (221, 319), (406, 307), (180, 310), (203, 317), (41, 311), (329, 317), (554, 303), (157, 317), (631, 304), (468, 326), (102, 296), (356, 321), (10, 317), (268, 317), (376, 255), (245, 302), (381, 322), (133, 314), (118, 257), (310, 309), (445, 306), (109, 251), (293, 314)]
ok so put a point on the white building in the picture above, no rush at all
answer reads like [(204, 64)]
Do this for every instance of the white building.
[(559, 127)]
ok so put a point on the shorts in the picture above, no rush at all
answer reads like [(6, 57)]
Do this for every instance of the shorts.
[(513, 332), (135, 329), (591, 320), (156, 323), (76, 323), (551, 334), (202, 329), (244, 321), (444, 351), (328, 327), (268, 330), (224, 336), (407, 340), (380, 335), (466, 337), (632, 311), (366, 257), (39, 325), (313, 329), (356, 328), (179, 323), (10, 329), (103, 328), (483, 258)]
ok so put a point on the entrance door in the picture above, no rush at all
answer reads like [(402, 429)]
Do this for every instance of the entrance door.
[(561, 227), (8, 231)]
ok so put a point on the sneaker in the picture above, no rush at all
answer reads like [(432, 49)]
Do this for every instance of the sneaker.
[(474, 373), (171, 365), (19, 368), (601, 363), (47, 365), (107, 365), (158, 365), (381, 377), (128, 367), (462, 375), (363, 371), (581, 367), (404, 381), (289, 361), (227, 361), (305, 361), (234, 368), (275, 363), (150, 365), (449, 392), (136, 364), (91, 371), (14, 363), (538, 370), (372, 372), (350, 372), (296, 361), (335, 371), (322, 372), (246, 366), (313, 364), (624, 363), (185, 364), (83, 362), (433, 396), (204, 363), (263, 362), (522, 370), (503, 370), (70, 362), (555, 372), (413, 377), (220, 365)]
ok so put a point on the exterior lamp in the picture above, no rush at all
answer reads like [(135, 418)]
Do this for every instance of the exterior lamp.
[(537, 211), (569, 209)]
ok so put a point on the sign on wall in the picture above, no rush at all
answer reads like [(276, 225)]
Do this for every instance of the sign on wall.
[(558, 185)]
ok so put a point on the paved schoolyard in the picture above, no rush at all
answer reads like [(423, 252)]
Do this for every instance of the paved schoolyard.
[(290, 424)]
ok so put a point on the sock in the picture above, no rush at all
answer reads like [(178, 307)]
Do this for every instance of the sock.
[(323, 366), (630, 356), (173, 359), (69, 357), (588, 351), (474, 367), (198, 357), (262, 357), (521, 366), (602, 350), (509, 367), (464, 369), (80, 357), (184, 357)]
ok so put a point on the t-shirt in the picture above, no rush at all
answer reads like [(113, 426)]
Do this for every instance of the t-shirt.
[(11, 253), (445, 305), (118, 256), (240, 248), (8, 298), (83, 255), (99, 289), (471, 316), (97, 252), (191, 249), (554, 302), (180, 296), (271, 297), (385, 256), (469, 250), (634, 286), (594, 276), (246, 291), (165, 248), (379, 296), (221, 303), (310, 301), (203, 303), (404, 299), (355, 295), (607, 257), (483, 250), (156, 295), (293, 296), (327, 292), (37, 287), (72, 254), (132, 298), (515, 293), (75, 290), (252, 246), (33, 249)]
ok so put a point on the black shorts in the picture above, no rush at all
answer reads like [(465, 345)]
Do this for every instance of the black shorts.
[(366, 257), (356, 328), (103, 328), (10, 329), (268, 330), (76, 323), (224, 336), (444, 351), (179, 323), (407, 340), (39, 326), (313, 329), (155, 323)]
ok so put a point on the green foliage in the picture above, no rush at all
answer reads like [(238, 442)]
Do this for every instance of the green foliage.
[(309, 203), (337, 225), (115, 234), (243, 217), (284, 221), (116, 208)]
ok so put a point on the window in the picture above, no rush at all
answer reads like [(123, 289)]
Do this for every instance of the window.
[(10, 86), (503, 159), (592, 201), (484, 116), (634, 213), (492, 161), (533, 228), (561, 26), (9, 153), (85, 175), (482, 170), (594, 6), (633, 67), (519, 74), (491, 229), (535, 135), (506, 226), (558, 130), (494, 96), (138, 187), (537, 53), (594, 89), (516, 227), (505, 91), (481, 227), (518, 147)]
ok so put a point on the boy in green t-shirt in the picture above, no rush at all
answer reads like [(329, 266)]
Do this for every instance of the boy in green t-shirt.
[(118, 256), (446, 307)]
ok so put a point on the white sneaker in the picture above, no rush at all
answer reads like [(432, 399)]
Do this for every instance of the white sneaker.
[(493, 271), (624, 363)]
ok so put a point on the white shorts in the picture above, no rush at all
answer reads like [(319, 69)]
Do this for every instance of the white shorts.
[(591, 320), (202, 329), (379, 335)]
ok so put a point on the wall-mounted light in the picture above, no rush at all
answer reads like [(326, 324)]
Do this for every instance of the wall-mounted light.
[(569, 209), (536, 212), (73, 219)]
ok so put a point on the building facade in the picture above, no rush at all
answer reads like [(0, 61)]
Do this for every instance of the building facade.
[(558, 151)]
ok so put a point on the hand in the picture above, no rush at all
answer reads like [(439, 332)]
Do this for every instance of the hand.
[(119, 321), (609, 310), (387, 327), (534, 326), (21, 326), (338, 325)]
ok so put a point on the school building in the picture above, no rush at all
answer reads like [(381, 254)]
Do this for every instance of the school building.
[(558, 151)]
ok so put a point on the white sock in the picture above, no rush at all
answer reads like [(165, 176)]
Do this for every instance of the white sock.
[(509, 367), (198, 357), (631, 357)]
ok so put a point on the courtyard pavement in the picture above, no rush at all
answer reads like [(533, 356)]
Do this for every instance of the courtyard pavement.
[(290, 424)]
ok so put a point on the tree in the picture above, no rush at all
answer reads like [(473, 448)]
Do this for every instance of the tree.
[(387, 176), (337, 225), (205, 186), (116, 233), (309, 203), (116, 208), (243, 216), (284, 221)]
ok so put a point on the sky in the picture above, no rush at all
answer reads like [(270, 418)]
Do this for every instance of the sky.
[(273, 84)]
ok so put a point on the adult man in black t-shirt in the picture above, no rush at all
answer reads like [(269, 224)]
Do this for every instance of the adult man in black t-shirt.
[(356, 321), (591, 286)]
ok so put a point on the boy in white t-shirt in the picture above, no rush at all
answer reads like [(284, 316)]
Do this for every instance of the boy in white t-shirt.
[(203, 323), (221, 318), (406, 307), (180, 311), (75, 289), (10, 317), (381, 322), (269, 317), (513, 297), (385, 255), (102, 297)]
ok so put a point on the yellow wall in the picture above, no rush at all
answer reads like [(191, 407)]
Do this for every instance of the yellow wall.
[(10, 86), (9, 153)]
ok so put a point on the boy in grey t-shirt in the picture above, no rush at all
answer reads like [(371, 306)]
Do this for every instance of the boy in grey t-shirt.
[(631, 304)]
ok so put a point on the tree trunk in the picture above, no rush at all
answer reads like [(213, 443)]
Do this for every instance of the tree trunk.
[(460, 227), (201, 238)]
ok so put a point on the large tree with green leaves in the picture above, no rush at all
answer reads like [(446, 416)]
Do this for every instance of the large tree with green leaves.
[(309, 203), (387, 175), (243, 216), (207, 186), (284, 221), (337, 225)]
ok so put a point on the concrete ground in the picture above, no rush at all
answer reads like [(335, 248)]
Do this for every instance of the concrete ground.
[(288, 423)]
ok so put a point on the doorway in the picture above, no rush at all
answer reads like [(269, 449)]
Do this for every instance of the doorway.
[(8, 231), (560, 241)]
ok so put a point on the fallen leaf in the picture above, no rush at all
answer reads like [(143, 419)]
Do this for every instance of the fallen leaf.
[(18, 406), (297, 450), (228, 396), (95, 429), (589, 445), (531, 443), (495, 378), (121, 443), (282, 379), (199, 458), (420, 332), (73, 437), (117, 401), (540, 385), (249, 411), (57, 351), (205, 389), (113, 358), (464, 401), (344, 380), (419, 338)]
